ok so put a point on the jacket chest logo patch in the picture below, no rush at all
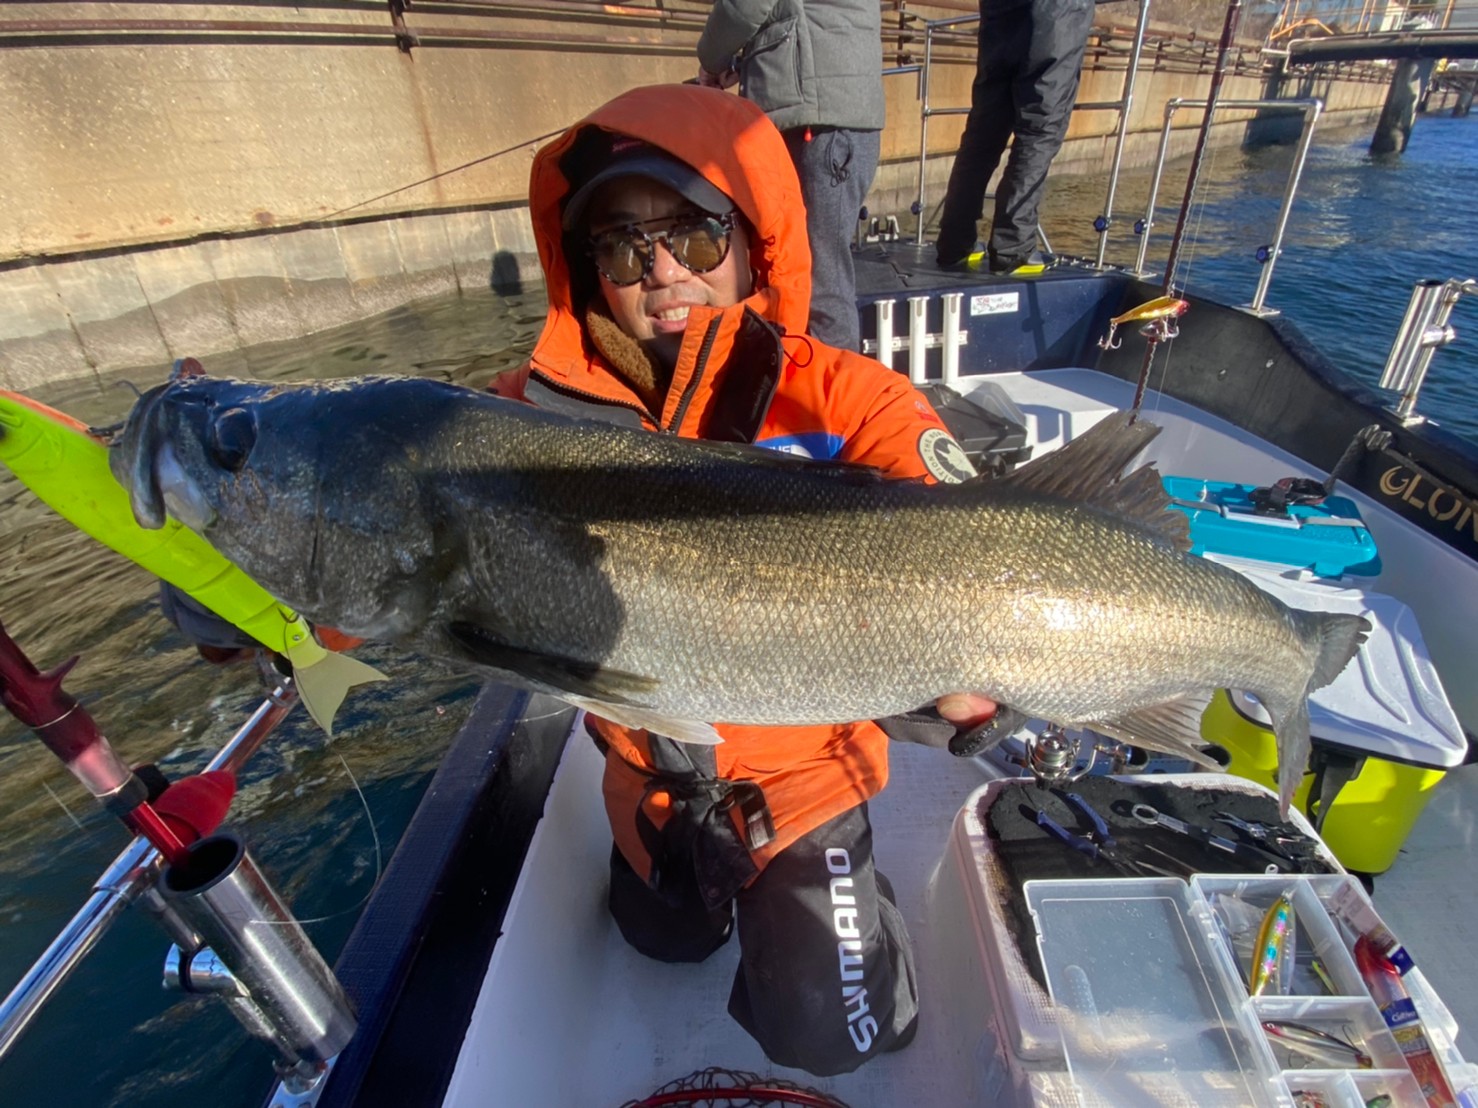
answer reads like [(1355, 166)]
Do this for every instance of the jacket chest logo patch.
[(944, 458)]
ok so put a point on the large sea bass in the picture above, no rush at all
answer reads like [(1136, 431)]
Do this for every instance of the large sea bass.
[(662, 582)]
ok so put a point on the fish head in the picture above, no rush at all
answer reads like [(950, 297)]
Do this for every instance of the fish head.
[(312, 490)]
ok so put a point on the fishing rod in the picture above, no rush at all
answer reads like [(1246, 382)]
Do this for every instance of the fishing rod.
[(69, 731), (1218, 72)]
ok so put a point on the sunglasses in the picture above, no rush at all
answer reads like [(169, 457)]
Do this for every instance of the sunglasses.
[(699, 243)]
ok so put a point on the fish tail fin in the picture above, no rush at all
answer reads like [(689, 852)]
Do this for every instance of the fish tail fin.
[(1291, 725), (1332, 638)]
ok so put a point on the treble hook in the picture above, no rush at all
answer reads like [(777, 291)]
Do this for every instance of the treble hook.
[(1158, 316)]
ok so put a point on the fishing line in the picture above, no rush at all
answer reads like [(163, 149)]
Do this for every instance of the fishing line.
[(437, 176), (63, 805), (379, 861)]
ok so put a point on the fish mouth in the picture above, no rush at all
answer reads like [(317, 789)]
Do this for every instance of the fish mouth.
[(133, 460), (183, 497)]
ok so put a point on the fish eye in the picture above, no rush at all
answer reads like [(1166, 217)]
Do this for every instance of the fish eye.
[(232, 435)]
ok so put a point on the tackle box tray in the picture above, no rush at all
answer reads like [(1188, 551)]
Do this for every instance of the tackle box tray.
[(1145, 1000), (1330, 538)]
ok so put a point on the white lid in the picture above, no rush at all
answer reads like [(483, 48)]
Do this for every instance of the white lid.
[(1389, 701)]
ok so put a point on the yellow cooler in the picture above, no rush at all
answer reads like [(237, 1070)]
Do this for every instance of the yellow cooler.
[(1384, 733)]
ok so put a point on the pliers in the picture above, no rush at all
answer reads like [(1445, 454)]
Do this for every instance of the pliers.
[(1093, 844), (1097, 843)]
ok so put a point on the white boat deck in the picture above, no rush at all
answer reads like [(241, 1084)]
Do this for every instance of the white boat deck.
[(570, 1016)]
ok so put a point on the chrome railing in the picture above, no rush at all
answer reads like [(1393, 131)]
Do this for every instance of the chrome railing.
[(131, 877), (1424, 330), (1311, 108)]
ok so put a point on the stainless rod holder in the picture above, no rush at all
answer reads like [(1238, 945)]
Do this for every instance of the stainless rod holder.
[(1423, 331), (130, 878), (219, 891), (918, 338)]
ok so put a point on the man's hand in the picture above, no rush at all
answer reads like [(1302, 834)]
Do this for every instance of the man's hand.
[(945, 723), (966, 710), (727, 79)]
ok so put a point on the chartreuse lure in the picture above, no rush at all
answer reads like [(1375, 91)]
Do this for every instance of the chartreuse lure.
[(57, 458)]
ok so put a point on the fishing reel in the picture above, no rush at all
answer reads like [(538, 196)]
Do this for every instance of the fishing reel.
[(1055, 757)]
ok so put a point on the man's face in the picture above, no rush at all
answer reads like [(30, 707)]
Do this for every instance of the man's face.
[(656, 307)]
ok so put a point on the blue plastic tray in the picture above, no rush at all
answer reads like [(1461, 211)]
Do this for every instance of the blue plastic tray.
[(1328, 538)]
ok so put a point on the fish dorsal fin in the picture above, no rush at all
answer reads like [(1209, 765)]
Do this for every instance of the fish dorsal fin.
[(1089, 468), (1173, 727)]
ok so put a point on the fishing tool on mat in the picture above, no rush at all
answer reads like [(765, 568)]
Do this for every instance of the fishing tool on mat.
[(1098, 842), (1266, 860)]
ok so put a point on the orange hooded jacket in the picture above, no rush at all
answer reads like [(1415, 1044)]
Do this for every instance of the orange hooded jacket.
[(826, 403)]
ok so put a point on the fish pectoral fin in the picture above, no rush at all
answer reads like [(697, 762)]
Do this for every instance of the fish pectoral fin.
[(564, 675), (1173, 727), (1090, 469), (648, 719)]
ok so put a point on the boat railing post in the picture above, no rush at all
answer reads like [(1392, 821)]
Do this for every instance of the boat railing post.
[(923, 129), (1171, 107), (112, 894), (1424, 329), (1311, 109), (1126, 106)]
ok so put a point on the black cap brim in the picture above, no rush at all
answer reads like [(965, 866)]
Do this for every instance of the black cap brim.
[(666, 170)]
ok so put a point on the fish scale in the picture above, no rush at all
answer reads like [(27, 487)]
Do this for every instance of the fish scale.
[(668, 583)]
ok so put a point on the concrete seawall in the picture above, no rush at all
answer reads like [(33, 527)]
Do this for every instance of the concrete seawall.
[(174, 198)]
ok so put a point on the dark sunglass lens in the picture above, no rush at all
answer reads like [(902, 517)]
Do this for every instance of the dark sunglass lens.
[(620, 257), (701, 247)]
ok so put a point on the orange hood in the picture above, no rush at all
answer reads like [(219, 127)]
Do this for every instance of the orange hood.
[(736, 147)]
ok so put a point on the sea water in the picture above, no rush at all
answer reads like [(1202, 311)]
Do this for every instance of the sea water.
[(1362, 231)]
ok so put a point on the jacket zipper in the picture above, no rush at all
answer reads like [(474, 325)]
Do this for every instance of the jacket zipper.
[(582, 394), (709, 338)]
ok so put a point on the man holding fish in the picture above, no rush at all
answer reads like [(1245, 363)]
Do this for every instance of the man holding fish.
[(681, 306), (665, 584)]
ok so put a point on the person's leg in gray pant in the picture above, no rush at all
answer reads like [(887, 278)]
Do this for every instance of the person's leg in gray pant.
[(1026, 80), (1043, 91), (836, 168)]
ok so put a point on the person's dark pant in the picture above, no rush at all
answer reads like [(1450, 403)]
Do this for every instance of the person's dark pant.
[(1031, 52), (836, 169), (826, 976)]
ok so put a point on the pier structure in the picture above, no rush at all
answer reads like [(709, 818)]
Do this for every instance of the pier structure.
[(1413, 38), (195, 184)]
